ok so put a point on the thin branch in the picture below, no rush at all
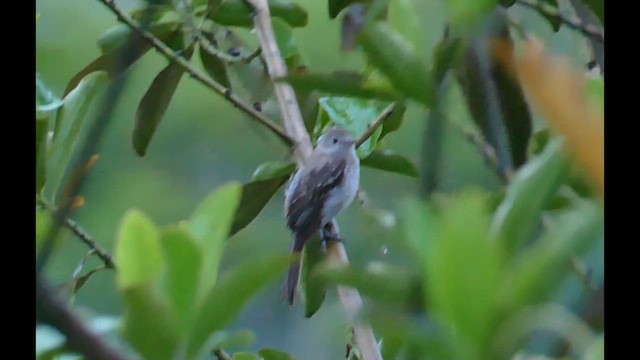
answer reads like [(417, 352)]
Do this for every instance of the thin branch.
[(207, 46), (168, 53), (51, 310), (294, 124), (594, 32), (82, 235), (386, 113)]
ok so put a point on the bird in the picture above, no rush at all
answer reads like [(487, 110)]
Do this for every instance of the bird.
[(325, 184)]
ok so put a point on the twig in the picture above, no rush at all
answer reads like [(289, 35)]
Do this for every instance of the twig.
[(53, 311), (486, 150), (168, 53), (207, 46), (386, 113), (82, 235), (589, 30), (294, 124), (221, 354)]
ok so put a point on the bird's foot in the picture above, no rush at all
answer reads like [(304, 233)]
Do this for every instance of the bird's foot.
[(329, 236)]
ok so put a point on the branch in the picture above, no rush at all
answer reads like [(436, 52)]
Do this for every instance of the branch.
[(594, 32), (53, 311), (386, 113), (294, 124), (168, 53), (81, 234)]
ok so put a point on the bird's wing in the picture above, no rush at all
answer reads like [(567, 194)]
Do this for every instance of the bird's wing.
[(306, 199)]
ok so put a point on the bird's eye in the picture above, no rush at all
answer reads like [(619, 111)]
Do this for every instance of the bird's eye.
[(335, 141)]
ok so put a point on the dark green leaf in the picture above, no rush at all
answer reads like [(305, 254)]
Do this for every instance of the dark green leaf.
[(209, 225), (539, 270), (432, 143), (446, 56), (395, 57), (387, 160), (354, 114), (314, 287), (42, 129), (239, 13), (336, 6), (255, 196), (138, 251), (43, 223), (507, 3), (273, 169), (597, 6), (184, 262), (495, 99), (530, 189), (382, 282), (215, 67), (232, 292), (352, 24), (69, 122), (274, 354), (116, 37), (147, 325), (154, 104), (339, 83), (554, 21), (80, 281), (46, 100), (237, 339)]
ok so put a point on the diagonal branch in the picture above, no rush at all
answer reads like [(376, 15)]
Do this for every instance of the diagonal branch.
[(168, 53), (594, 32), (386, 113), (51, 310), (294, 124)]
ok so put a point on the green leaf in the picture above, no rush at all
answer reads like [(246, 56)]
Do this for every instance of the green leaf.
[(154, 104), (394, 121), (463, 270), (466, 14), (116, 37), (539, 270), (273, 169), (420, 227), (530, 190), (147, 325), (396, 58), (597, 6), (225, 340), (255, 196), (595, 92), (69, 124), (554, 21), (215, 67), (232, 292), (286, 43), (595, 350), (507, 3), (342, 83), (495, 100), (43, 223), (239, 13), (46, 100), (382, 282), (245, 356), (314, 287), (355, 115), (209, 225), (274, 354), (42, 130), (138, 251), (404, 17), (389, 161), (80, 281), (184, 261)]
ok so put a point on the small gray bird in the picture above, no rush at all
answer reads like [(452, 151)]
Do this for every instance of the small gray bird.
[(324, 185)]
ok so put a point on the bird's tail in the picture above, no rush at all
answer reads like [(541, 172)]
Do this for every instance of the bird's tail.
[(294, 270)]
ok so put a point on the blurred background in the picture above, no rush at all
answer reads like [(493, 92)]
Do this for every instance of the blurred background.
[(203, 142)]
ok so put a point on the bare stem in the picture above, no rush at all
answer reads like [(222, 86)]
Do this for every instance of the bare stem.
[(589, 30), (168, 53), (294, 125), (386, 113), (53, 311)]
